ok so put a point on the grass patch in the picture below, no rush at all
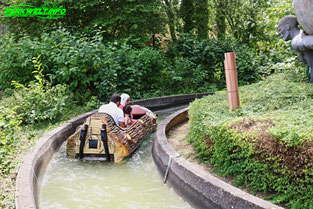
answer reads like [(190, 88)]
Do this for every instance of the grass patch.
[(266, 144)]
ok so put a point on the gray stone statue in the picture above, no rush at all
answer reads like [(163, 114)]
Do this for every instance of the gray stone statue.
[(304, 14), (301, 42)]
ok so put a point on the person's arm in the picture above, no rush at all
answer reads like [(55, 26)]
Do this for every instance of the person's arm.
[(127, 119), (122, 124), (121, 119)]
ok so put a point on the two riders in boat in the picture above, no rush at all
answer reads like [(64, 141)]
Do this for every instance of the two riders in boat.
[(112, 134), (118, 103), (113, 109)]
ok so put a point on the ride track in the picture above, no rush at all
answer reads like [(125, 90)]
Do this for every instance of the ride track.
[(199, 188)]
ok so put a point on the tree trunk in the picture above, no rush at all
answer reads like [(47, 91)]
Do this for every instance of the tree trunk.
[(186, 13), (220, 18), (171, 19), (202, 18)]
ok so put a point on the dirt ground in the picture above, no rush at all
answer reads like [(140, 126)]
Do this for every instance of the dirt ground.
[(176, 136)]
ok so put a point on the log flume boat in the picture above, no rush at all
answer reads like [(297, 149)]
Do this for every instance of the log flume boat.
[(99, 138)]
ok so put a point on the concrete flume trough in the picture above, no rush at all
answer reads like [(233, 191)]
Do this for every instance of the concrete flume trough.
[(199, 188), (34, 163)]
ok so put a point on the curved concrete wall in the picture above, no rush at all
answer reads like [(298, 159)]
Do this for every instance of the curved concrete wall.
[(161, 103), (35, 162), (37, 159), (199, 188)]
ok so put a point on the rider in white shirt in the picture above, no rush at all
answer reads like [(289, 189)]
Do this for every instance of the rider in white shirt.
[(113, 110)]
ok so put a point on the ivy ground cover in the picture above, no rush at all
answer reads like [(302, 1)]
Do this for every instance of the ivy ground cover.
[(266, 144)]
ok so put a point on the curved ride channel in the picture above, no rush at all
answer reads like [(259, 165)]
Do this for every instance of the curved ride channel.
[(134, 183)]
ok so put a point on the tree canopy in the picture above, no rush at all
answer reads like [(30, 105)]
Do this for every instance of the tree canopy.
[(131, 20)]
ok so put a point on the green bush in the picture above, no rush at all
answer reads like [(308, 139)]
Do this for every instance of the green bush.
[(266, 143), (9, 145), (199, 65), (131, 70), (86, 65), (132, 21), (39, 101), (90, 67), (9, 122), (15, 61)]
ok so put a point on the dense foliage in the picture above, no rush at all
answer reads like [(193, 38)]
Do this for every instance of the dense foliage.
[(199, 64), (9, 122), (90, 67), (25, 113), (201, 16), (133, 21), (266, 144), (39, 101), (87, 66), (154, 48), (186, 13), (138, 22)]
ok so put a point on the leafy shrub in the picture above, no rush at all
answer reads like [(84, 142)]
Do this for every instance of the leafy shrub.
[(39, 101), (90, 67), (9, 145), (86, 65), (131, 70), (92, 104), (9, 122), (15, 61), (132, 21), (199, 64), (266, 143)]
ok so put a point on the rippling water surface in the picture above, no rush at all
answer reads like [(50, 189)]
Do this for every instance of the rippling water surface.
[(134, 183)]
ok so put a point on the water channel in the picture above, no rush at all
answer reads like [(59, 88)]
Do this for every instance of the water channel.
[(134, 183)]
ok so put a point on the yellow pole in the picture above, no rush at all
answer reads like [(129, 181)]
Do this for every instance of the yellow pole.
[(231, 81)]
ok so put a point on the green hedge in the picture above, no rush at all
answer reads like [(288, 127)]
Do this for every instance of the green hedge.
[(38, 101), (266, 144), (206, 59), (88, 66), (9, 144)]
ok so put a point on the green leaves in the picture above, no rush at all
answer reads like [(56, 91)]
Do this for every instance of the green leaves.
[(265, 144), (123, 20), (9, 123), (131, 70), (201, 63), (86, 66), (38, 101)]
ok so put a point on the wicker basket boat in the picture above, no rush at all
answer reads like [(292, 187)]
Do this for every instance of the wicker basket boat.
[(101, 139)]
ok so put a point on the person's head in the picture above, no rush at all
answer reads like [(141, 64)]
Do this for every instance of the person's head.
[(125, 99), (285, 26), (127, 109), (116, 98)]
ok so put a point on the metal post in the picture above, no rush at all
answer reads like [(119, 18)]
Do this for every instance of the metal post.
[(231, 81), (167, 169)]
